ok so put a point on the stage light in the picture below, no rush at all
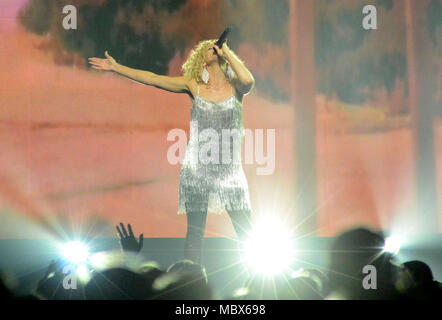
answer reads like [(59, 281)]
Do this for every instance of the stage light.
[(241, 292), (268, 250), (393, 244), (99, 260), (75, 252), (83, 273), (298, 273)]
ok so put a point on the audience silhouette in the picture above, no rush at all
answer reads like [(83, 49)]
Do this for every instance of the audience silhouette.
[(344, 278)]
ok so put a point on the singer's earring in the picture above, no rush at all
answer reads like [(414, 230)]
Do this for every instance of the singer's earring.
[(230, 73), (205, 76)]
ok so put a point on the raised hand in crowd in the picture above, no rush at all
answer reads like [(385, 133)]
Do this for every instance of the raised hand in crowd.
[(128, 241)]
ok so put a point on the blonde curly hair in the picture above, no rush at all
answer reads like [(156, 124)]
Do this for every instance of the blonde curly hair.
[(193, 67)]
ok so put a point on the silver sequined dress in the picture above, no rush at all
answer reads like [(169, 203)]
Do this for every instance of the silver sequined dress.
[(212, 164)]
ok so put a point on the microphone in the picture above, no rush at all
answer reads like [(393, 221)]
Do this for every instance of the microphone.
[(223, 37)]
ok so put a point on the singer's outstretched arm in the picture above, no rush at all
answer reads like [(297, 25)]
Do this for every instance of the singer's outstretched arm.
[(245, 80), (173, 84)]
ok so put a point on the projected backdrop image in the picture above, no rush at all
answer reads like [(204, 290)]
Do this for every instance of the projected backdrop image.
[(82, 149)]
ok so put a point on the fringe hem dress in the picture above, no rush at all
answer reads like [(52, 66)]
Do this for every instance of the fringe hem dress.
[(212, 169)]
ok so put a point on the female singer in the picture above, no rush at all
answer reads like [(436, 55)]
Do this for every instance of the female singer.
[(217, 81)]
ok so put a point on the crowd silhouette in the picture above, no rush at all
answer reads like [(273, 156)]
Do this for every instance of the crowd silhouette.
[(187, 280)]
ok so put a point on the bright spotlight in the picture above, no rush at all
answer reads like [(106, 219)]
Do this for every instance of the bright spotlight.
[(83, 273), (268, 251), (75, 251), (393, 244), (241, 292), (99, 260), (298, 273)]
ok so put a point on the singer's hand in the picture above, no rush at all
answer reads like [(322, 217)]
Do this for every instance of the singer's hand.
[(107, 64), (220, 52)]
